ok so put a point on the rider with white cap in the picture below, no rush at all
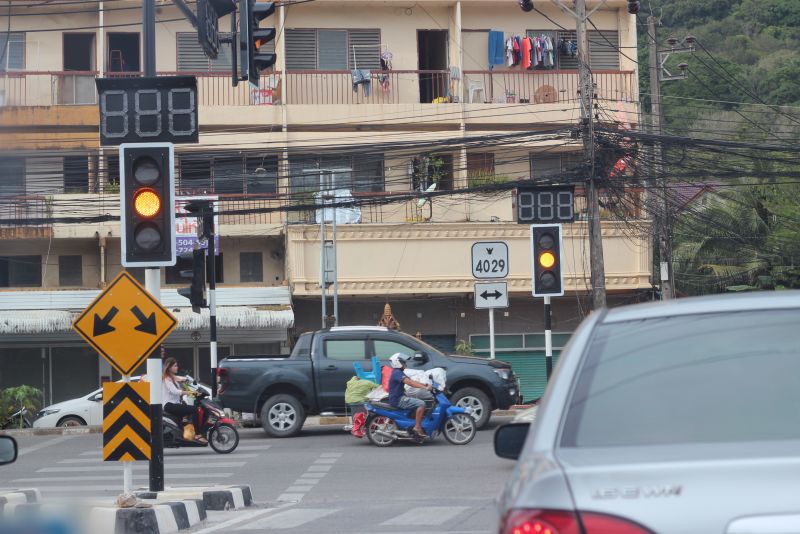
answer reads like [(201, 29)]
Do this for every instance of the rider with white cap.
[(397, 396)]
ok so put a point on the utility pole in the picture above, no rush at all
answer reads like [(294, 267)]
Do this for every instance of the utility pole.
[(662, 211), (598, 273)]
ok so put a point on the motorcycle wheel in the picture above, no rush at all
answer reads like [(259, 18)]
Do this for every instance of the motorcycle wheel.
[(377, 424), (224, 439), (460, 429)]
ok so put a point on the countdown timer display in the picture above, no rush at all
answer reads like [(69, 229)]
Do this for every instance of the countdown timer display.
[(144, 110), (545, 204)]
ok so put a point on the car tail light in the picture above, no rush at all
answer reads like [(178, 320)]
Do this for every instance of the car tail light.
[(222, 380), (566, 522)]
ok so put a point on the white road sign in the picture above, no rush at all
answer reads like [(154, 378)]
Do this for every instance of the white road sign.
[(491, 295), (489, 259)]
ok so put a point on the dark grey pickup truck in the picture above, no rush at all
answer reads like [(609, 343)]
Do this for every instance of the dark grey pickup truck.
[(312, 380)]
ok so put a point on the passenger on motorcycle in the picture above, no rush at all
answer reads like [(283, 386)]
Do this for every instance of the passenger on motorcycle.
[(397, 397), (171, 394)]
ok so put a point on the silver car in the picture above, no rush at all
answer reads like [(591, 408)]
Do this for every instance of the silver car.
[(677, 417)]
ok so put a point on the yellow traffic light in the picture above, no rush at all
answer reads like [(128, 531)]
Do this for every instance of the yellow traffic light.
[(547, 259), (146, 203)]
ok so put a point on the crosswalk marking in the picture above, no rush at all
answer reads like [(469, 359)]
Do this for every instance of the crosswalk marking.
[(319, 468), (99, 460), (325, 460), (313, 475), (188, 452), (426, 516), (301, 481), (297, 489), (138, 465), (98, 478), (331, 455), (289, 519)]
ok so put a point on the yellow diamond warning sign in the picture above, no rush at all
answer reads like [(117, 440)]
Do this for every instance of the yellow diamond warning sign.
[(125, 323)]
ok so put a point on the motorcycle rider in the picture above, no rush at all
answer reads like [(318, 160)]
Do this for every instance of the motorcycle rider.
[(397, 397), (171, 394)]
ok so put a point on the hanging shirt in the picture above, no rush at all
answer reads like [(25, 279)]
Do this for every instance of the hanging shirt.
[(517, 55), (509, 52), (526, 52)]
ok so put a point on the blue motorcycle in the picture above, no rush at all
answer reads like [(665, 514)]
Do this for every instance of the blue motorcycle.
[(386, 424)]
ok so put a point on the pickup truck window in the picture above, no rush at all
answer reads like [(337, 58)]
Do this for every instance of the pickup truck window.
[(346, 349), (384, 349)]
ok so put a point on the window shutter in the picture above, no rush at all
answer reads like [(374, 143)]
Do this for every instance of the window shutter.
[(366, 44), (565, 61), (190, 54), (603, 49), (545, 166), (332, 49), (301, 49)]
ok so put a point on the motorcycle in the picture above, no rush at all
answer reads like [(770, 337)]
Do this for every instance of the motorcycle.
[(19, 419), (386, 424), (218, 429)]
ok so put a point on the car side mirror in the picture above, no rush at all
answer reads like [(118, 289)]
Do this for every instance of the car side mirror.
[(509, 440), (98, 397), (420, 357), (8, 450)]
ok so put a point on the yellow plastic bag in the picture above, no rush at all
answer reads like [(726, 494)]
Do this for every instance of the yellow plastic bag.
[(188, 432)]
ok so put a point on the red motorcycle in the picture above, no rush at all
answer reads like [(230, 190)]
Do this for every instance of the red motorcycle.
[(218, 429)]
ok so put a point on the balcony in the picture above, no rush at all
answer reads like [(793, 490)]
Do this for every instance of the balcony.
[(336, 88)]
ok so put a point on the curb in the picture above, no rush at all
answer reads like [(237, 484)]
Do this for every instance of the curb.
[(213, 498), (11, 499), (161, 518)]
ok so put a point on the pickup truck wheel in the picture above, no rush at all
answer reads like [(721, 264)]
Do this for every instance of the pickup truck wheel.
[(282, 416), (477, 401)]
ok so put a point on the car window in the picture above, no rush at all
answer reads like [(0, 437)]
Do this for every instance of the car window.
[(711, 378), (384, 349), (345, 349)]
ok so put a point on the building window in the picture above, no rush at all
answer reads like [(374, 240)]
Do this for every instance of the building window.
[(261, 174), (251, 267), (603, 48), (358, 173), (14, 46), (317, 49), (12, 177), (192, 58), (76, 174), (172, 275), (432, 169), (20, 271), (70, 271), (544, 166), (234, 173), (480, 168)]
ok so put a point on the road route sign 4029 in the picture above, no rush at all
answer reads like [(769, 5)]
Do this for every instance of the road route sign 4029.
[(489, 260)]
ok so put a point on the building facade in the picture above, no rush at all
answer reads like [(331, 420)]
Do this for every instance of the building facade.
[(375, 100)]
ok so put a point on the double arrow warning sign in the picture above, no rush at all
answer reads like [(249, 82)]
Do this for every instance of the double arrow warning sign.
[(126, 421)]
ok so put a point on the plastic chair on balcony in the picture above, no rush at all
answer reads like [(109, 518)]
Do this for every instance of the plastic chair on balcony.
[(476, 88)]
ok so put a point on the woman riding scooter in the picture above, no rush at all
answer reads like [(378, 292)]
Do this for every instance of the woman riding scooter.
[(171, 394)]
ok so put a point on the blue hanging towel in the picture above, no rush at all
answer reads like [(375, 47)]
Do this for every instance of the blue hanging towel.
[(496, 48)]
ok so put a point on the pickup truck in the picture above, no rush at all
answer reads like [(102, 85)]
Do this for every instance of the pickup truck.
[(312, 380)]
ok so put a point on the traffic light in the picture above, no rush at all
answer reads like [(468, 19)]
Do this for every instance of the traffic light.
[(252, 38), (196, 291), (147, 204), (526, 5), (548, 276), (633, 6)]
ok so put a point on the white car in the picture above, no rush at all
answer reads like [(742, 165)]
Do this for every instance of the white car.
[(86, 410)]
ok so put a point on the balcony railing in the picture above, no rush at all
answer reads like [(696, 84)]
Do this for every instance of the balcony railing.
[(336, 87)]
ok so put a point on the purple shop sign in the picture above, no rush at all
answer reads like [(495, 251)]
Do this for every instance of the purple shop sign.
[(186, 227)]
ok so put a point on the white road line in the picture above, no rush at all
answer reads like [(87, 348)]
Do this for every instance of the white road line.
[(244, 517), (313, 475), (167, 467), (291, 497), (325, 461), (331, 455), (99, 460), (301, 481), (289, 519), (97, 478), (44, 444), (426, 516), (319, 468), (189, 452), (298, 489)]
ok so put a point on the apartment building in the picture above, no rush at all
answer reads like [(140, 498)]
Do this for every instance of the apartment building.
[(372, 99)]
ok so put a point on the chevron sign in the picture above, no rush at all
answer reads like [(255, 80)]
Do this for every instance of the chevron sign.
[(126, 421)]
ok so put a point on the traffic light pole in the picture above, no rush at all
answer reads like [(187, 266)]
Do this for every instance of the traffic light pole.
[(548, 338), (152, 279), (212, 296)]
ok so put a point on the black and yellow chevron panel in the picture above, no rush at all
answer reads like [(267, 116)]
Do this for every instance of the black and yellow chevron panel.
[(126, 421)]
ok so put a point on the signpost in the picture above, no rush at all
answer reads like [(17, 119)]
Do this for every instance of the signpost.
[(125, 324), (490, 261)]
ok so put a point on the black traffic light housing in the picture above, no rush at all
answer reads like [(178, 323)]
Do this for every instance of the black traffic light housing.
[(548, 275), (196, 291), (147, 204), (252, 37)]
